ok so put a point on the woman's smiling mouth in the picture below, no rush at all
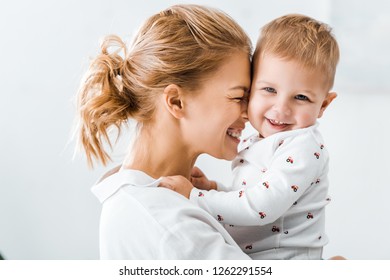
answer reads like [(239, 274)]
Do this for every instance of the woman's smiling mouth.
[(234, 133)]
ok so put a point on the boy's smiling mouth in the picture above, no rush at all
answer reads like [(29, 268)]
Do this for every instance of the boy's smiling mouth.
[(276, 122)]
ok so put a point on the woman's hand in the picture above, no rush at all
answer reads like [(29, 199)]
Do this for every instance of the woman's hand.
[(183, 186), (200, 181), (177, 183)]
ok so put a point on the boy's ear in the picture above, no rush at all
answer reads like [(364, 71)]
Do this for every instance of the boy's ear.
[(173, 100), (328, 99)]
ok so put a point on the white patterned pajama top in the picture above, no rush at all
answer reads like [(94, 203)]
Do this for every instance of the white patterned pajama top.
[(278, 196)]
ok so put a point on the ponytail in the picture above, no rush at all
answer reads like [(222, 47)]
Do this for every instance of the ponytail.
[(102, 100)]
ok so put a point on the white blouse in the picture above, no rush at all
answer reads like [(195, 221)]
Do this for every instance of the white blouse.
[(142, 221)]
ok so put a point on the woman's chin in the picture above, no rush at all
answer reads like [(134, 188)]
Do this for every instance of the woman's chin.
[(226, 154), (230, 154)]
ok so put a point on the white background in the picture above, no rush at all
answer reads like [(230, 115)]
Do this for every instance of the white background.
[(46, 208)]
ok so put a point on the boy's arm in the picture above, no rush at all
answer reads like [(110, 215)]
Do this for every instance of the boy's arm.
[(296, 165)]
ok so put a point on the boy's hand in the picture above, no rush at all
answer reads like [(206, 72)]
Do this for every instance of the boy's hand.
[(177, 183), (200, 181)]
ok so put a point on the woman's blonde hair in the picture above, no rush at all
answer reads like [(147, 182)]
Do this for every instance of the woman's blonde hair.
[(180, 45), (301, 38)]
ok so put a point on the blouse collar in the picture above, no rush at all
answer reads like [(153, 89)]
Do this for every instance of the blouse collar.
[(116, 178)]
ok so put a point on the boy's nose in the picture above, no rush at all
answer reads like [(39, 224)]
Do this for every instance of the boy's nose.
[(282, 107)]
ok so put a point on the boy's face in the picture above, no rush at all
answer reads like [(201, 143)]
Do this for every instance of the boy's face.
[(285, 95)]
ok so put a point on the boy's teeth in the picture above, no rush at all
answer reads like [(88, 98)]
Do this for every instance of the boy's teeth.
[(277, 122)]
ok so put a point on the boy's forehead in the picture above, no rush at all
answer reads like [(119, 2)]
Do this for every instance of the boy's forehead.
[(319, 70)]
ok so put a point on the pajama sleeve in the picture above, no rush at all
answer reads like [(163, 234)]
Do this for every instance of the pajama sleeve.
[(221, 187), (296, 166)]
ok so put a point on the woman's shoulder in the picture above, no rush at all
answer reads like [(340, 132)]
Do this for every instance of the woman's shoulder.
[(137, 199), (163, 205), (146, 221)]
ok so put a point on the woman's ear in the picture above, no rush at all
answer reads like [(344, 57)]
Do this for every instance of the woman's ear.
[(173, 101), (328, 99)]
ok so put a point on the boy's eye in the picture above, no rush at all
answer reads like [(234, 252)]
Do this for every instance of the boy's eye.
[(301, 97), (269, 89)]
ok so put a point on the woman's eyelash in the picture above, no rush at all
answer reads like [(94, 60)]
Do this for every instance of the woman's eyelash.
[(241, 99)]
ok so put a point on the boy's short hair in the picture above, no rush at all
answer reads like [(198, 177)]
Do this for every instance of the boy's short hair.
[(301, 38)]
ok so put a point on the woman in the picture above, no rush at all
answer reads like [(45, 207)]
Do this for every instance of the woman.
[(184, 81)]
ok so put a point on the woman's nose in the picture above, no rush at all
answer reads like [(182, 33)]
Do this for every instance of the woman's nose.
[(244, 111)]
